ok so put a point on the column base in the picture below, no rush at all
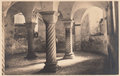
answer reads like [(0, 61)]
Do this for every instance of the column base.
[(68, 56), (50, 68), (31, 56)]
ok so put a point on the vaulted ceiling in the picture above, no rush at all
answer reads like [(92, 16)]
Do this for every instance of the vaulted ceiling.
[(68, 10)]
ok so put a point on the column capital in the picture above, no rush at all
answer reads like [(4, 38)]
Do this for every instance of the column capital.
[(30, 24), (50, 16), (68, 23), (77, 24)]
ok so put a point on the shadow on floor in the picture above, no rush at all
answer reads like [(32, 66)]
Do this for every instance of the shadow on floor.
[(88, 67), (99, 64)]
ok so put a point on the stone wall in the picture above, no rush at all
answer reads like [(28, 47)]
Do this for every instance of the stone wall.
[(16, 37), (85, 29), (82, 33), (96, 44)]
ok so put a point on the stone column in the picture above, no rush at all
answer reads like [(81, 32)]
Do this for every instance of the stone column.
[(105, 21), (68, 30), (112, 41), (30, 37), (50, 19), (105, 30), (2, 43), (74, 37), (110, 30)]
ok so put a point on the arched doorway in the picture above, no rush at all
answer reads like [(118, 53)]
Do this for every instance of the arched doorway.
[(92, 22), (93, 31)]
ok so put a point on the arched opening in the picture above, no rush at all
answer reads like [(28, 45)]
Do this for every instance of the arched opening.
[(14, 23), (19, 18), (95, 19), (15, 34), (20, 33), (93, 31), (91, 34), (60, 36), (40, 40)]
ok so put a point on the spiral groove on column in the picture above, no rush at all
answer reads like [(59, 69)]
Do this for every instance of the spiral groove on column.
[(50, 18), (3, 51), (69, 46), (67, 40), (71, 41), (51, 44)]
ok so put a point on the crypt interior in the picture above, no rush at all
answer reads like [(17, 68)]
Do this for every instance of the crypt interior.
[(60, 37)]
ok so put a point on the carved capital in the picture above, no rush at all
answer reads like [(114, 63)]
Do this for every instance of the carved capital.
[(30, 24), (50, 16), (68, 23), (77, 24)]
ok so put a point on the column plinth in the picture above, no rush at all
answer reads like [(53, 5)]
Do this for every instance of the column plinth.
[(30, 38), (69, 44), (68, 55), (51, 67)]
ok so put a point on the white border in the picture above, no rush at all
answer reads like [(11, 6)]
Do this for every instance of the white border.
[(2, 35)]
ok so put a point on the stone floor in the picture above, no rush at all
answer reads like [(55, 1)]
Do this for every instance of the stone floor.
[(84, 63)]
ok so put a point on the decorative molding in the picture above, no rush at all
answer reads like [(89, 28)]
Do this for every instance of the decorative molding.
[(50, 16), (49, 13), (77, 24), (30, 24), (68, 23), (67, 20)]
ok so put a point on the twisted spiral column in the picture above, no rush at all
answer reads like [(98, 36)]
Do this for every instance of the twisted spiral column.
[(2, 48), (69, 41), (74, 37), (51, 62), (50, 18), (30, 38), (50, 44)]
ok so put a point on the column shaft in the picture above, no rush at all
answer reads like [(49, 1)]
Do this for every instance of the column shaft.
[(69, 44), (50, 43), (105, 22), (51, 62), (30, 38), (74, 37)]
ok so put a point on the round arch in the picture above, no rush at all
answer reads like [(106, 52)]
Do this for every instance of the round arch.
[(80, 14), (79, 5), (12, 11), (19, 18), (7, 6), (88, 10)]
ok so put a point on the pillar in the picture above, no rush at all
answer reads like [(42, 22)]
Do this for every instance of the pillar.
[(50, 18), (2, 45), (105, 30), (30, 38), (110, 30), (105, 21), (69, 41), (74, 37), (112, 41)]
